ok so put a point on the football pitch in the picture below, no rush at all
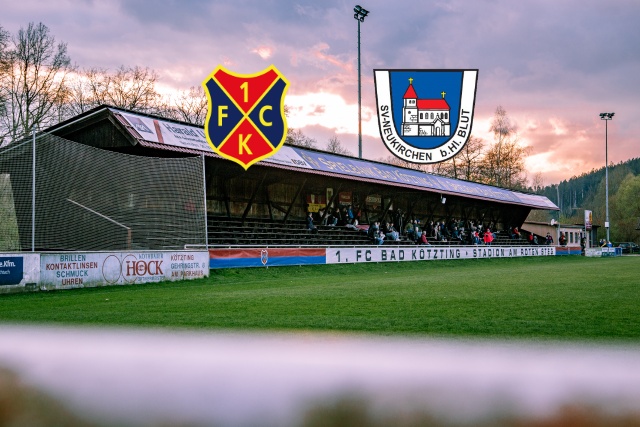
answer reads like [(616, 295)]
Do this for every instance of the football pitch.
[(555, 298)]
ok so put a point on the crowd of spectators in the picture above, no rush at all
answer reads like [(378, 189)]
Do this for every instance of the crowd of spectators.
[(400, 227)]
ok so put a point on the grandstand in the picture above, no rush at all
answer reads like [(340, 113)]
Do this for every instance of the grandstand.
[(111, 179)]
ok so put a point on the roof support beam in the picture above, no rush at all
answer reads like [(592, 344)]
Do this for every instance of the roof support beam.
[(252, 198), (293, 202)]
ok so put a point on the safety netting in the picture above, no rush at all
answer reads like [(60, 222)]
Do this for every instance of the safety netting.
[(92, 199)]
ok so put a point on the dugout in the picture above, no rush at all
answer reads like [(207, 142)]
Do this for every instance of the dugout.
[(115, 179)]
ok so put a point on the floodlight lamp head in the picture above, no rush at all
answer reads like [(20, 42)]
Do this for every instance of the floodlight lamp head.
[(360, 13), (607, 116)]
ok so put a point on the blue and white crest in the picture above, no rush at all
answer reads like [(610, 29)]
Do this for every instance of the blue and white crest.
[(425, 116), (264, 256)]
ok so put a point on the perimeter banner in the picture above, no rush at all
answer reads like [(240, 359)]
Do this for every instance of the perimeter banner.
[(425, 116), (429, 253), (18, 269), (82, 269)]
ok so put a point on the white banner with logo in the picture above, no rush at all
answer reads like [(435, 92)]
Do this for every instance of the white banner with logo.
[(428, 253), (18, 269), (77, 270)]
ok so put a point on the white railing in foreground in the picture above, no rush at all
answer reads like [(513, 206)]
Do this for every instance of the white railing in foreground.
[(147, 377)]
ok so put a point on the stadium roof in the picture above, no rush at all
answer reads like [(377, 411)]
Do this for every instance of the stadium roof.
[(164, 134)]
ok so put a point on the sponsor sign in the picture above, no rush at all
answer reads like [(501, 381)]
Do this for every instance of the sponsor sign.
[(429, 253), (245, 121), (315, 207), (588, 220), (165, 132), (76, 270), (344, 197), (11, 270), (18, 270), (610, 251), (425, 116)]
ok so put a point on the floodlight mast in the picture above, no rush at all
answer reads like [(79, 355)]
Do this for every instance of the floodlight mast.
[(360, 14), (606, 117)]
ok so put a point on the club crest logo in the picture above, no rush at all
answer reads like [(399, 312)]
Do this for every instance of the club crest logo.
[(425, 116), (245, 122), (264, 256)]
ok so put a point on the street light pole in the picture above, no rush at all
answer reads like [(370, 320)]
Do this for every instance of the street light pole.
[(359, 15), (606, 117)]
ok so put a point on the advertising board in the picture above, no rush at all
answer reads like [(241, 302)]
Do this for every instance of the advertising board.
[(76, 270)]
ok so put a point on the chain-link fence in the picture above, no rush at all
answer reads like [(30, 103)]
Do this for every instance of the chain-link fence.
[(92, 199)]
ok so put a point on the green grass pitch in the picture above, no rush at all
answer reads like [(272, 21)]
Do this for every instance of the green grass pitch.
[(564, 298)]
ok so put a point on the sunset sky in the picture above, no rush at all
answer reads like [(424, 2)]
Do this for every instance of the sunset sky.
[(552, 65)]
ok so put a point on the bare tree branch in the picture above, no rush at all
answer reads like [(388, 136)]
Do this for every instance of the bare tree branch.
[(335, 146), (34, 82)]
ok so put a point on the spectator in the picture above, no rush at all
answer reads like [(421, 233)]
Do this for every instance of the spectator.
[(431, 229), (444, 231), (342, 216), (399, 220), (423, 239), (333, 218), (312, 228), (372, 233), (349, 215), (549, 240), (563, 239), (409, 231), (321, 216), (392, 233), (488, 237), (380, 238), (455, 234), (515, 233)]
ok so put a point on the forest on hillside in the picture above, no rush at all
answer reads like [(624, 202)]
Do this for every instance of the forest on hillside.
[(587, 192)]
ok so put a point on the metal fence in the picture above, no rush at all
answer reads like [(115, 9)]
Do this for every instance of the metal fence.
[(57, 194)]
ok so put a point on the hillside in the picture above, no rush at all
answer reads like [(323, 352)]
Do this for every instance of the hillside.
[(587, 191)]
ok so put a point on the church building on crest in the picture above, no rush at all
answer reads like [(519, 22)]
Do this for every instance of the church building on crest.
[(424, 117)]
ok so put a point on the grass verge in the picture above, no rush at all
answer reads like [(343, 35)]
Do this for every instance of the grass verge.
[(567, 298)]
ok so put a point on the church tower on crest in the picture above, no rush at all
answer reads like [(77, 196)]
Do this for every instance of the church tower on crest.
[(424, 117)]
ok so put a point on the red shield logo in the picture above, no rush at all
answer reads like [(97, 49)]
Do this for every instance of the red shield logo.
[(245, 122)]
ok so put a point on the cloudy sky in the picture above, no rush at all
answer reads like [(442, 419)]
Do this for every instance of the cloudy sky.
[(552, 65)]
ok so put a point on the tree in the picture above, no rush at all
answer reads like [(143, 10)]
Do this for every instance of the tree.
[(4, 67), (467, 164), (503, 162), (190, 106), (131, 88), (33, 85), (296, 137), (537, 186), (625, 210), (335, 146)]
